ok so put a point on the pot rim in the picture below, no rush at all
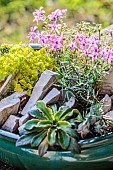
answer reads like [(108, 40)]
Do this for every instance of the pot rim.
[(85, 143)]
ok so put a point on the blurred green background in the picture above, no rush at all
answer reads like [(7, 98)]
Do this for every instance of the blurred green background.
[(16, 15)]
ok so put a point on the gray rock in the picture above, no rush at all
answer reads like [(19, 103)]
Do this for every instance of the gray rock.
[(83, 129), (109, 115), (12, 123), (8, 107), (106, 104), (107, 87), (52, 96), (24, 119), (41, 88), (71, 102), (6, 85)]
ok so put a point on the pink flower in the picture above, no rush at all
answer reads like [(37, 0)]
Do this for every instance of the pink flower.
[(56, 44), (42, 38), (32, 35), (72, 46), (54, 26), (57, 15), (39, 15)]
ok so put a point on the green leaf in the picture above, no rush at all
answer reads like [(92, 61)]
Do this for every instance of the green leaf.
[(76, 112), (63, 139), (37, 114), (25, 139), (64, 125), (73, 146), (30, 124), (44, 123), (67, 113), (23, 131), (43, 147), (57, 115), (38, 138), (73, 133), (52, 136), (47, 112), (54, 108)]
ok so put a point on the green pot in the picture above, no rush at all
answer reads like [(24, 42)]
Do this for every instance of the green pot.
[(97, 154)]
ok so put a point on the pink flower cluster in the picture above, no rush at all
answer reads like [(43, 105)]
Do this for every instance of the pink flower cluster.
[(39, 15), (60, 38), (57, 15)]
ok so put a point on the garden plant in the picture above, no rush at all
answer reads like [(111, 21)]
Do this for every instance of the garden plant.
[(82, 57)]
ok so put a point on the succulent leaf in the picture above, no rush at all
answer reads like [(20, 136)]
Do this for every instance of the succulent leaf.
[(52, 136), (73, 146), (63, 139), (37, 114), (64, 125), (23, 131), (54, 108), (38, 138), (58, 114), (43, 147), (44, 123), (66, 114), (30, 124), (73, 133), (47, 112), (25, 139)]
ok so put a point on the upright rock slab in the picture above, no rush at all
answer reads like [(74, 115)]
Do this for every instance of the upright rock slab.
[(24, 119), (71, 102), (6, 85), (12, 123), (106, 103), (52, 96), (107, 87), (41, 88), (8, 107)]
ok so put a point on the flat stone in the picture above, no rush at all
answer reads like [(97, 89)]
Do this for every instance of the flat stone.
[(12, 123), (24, 119), (107, 87), (4, 88), (41, 88), (83, 129), (109, 115), (106, 103), (20, 129), (52, 96), (17, 95), (71, 102), (8, 107)]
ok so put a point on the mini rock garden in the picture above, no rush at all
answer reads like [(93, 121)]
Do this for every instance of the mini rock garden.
[(59, 97)]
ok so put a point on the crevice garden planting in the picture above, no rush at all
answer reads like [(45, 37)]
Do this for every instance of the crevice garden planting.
[(63, 93)]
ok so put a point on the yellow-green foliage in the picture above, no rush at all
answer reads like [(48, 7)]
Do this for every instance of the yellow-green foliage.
[(25, 63)]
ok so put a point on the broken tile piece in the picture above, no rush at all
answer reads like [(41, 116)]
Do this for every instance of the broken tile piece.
[(41, 88), (8, 107), (4, 88), (107, 87), (12, 123), (109, 115), (52, 96), (71, 102), (24, 119), (106, 103)]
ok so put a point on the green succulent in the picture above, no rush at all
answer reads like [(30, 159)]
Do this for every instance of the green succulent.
[(49, 127)]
